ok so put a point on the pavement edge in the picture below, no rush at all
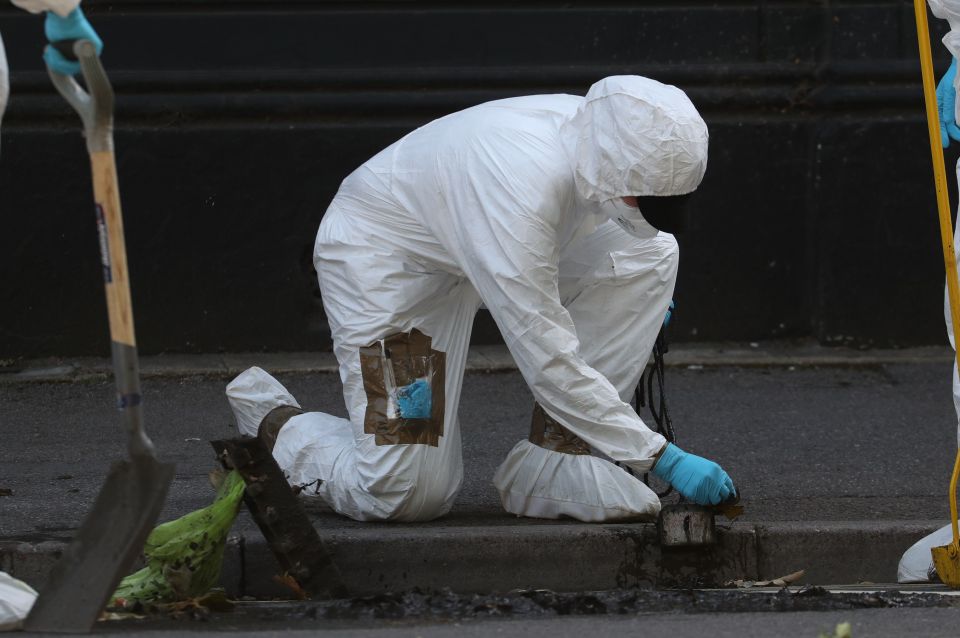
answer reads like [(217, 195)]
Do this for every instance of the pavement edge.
[(560, 557)]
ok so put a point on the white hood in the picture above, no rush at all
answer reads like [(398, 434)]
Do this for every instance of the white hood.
[(636, 136)]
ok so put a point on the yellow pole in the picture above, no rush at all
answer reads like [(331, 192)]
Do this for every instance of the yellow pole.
[(943, 207)]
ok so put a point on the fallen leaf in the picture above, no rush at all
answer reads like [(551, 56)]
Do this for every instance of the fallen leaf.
[(740, 584), (120, 615), (289, 581), (789, 579), (214, 600), (782, 581), (732, 512)]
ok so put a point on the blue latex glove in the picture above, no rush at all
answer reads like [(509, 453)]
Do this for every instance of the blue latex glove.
[(415, 400), (670, 309), (696, 478), (947, 106), (73, 27)]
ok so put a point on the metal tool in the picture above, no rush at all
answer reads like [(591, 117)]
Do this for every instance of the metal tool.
[(947, 557), (124, 513), (281, 518)]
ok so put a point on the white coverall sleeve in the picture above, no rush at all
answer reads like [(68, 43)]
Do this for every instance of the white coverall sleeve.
[(949, 10), (937, 7), (504, 229), (60, 7)]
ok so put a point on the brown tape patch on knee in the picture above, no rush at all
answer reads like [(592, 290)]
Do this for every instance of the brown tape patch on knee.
[(391, 365), (546, 432)]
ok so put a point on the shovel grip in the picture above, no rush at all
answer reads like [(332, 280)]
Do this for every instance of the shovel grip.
[(95, 104)]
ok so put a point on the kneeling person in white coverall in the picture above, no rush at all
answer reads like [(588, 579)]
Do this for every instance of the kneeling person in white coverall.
[(529, 206)]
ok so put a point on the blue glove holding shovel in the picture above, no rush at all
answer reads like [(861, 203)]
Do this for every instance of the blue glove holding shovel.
[(59, 29), (947, 106), (696, 478)]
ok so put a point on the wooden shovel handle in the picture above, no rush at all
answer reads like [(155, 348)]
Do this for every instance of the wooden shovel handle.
[(113, 250), (113, 254)]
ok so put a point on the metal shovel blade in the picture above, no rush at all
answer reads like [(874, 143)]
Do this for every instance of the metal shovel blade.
[(947, 561), (104, 549)]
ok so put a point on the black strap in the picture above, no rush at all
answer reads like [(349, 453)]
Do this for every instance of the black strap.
[(645, 394)]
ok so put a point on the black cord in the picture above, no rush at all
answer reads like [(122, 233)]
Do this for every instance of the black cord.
[(657, 401), (658, 409)]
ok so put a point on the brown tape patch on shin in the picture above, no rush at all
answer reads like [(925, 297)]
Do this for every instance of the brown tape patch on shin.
[(546, 432), (388, 366), (271, 424)]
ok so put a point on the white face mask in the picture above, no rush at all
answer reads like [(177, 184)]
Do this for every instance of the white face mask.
[(628, 218)]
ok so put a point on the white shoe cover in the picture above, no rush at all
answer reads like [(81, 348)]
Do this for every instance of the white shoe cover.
[(917, 562), (252, 395), (16, 599), (541, 483)]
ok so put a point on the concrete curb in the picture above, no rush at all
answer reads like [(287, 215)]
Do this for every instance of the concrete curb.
[(560, 557), (481, 359)]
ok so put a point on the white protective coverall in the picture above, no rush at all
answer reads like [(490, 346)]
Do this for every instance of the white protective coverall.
[(61, 7), (514, 204), (917, 563), (16, 601)]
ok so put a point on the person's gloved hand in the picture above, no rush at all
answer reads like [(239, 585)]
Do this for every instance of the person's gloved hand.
[(947, 106), (73, 27), (696, 478), (669, 315)]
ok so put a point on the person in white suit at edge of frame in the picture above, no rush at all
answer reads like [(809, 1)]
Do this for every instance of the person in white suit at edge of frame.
[(64, 21), (554, 212), (916, 564)]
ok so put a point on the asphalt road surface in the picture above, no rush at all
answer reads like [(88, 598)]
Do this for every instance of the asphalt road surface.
[(833, 443)]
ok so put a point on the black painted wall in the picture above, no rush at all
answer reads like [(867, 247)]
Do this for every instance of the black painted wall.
[(237, 120)]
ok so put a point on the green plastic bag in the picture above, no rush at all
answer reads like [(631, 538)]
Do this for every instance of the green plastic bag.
[(184, 556)]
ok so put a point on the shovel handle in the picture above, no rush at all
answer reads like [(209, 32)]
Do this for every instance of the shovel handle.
[(96, 111), (943, 209), (94, 105)]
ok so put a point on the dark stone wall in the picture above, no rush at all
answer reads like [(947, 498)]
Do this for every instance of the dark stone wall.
[(237, 120)]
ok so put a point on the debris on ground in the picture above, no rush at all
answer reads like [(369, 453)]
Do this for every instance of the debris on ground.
[(184, 556), (291, 583), (843, 630), (731, 512), (445, 605), (308, 567), (783, 581)]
